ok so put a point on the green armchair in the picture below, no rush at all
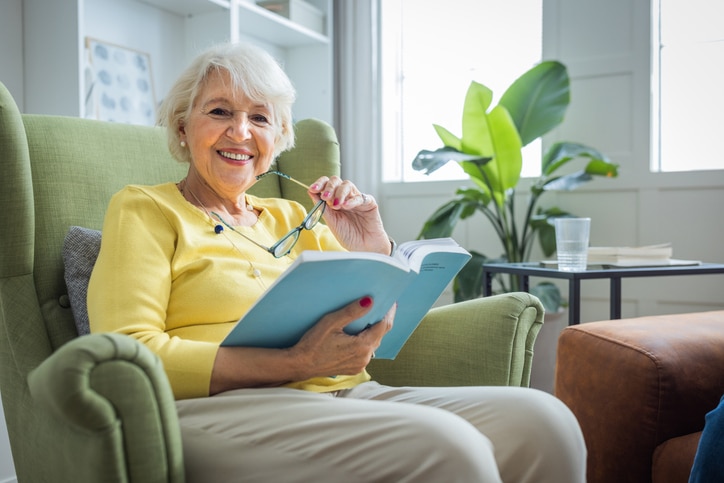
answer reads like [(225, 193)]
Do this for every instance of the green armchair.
[(99, 407)]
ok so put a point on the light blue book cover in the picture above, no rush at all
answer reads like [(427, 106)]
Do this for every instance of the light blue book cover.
[(321, 282)]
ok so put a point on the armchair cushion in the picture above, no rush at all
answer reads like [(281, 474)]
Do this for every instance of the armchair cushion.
[(80, 251), (674, 458)]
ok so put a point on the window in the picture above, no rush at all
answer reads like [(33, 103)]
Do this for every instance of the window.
[(431, 51), (688, 85)]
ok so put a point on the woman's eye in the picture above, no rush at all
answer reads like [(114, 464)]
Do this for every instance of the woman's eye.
[(220, 113), (260, 119)]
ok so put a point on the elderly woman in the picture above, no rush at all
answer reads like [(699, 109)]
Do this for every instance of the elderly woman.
[(182, 261)]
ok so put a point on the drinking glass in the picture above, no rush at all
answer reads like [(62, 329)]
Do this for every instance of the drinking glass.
[(572, 243)]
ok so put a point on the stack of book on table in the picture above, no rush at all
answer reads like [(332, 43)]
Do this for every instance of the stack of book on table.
[(643, 256)]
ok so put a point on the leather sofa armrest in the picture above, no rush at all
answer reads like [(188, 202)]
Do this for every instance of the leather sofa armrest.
[(108, 401), (486, 341), (636, 383)]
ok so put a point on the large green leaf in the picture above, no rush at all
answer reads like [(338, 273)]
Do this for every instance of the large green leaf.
[(508, 158), (568, 182), (600, 167), (537, 100), (561, 153), (503, 171), (479, 176), (448, 138), (442, 223), (476, 138), (543, 226), (468, 284), (549, 295), (430, 161), (547, 239), (474, 196)]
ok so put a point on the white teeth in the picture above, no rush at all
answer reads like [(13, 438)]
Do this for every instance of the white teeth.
[(237, 157)]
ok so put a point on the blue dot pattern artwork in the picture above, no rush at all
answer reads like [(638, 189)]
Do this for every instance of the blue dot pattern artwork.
[(119, 84)]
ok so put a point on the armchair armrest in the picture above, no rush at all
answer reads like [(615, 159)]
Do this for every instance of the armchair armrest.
[(487, 341), (110, 411)]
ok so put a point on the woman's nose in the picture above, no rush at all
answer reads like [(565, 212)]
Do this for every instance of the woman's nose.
[(239, 128)]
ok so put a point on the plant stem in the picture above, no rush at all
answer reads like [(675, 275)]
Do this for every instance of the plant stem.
[(493, 220), (515, 254), (529, 237)]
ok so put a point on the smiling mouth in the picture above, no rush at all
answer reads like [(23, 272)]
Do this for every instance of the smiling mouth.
[(234, 156)]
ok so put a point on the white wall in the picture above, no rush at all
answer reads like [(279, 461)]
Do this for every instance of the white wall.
[(11, 56), (606, 48)]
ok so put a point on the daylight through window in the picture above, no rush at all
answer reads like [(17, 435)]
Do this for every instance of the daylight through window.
[(688, 85), (431, 51)]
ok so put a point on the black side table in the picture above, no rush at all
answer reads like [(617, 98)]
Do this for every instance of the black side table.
[(614, 274)]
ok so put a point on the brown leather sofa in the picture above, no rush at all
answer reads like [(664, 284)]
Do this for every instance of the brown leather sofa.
[(640, 389)]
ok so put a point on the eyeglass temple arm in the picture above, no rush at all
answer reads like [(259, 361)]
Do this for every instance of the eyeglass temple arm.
[(218, 216), (285, 176)]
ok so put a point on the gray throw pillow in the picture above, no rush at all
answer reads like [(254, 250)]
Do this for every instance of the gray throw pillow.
[(80, 251)]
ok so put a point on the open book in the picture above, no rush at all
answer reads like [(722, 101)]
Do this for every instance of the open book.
[(321, 282)]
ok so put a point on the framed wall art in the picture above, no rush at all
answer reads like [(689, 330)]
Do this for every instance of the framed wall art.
[(119, 84)]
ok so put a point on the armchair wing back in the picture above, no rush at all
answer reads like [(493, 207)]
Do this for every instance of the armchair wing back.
[(98, 407)]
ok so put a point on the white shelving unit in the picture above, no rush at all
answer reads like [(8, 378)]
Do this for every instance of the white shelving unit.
[(172, 32), (252, 20)]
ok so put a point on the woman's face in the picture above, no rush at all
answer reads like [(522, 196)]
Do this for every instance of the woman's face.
[(230, 137)]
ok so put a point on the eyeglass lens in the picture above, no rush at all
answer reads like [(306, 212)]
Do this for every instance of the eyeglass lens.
[(314, 216), (285, 245)]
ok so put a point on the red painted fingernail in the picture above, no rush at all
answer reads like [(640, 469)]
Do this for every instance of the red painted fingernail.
[(326, 194), (365, 302), (336, 201)]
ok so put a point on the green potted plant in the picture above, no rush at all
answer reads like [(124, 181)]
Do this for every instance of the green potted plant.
[(490, 153)]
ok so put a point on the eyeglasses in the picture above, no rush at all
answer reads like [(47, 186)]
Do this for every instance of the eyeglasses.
[(286, 243)]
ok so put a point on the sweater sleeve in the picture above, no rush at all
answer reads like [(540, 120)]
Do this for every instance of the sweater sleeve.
[(130, 288)]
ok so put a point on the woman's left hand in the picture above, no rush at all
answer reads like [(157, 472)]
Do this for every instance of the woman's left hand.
[(353, 217)]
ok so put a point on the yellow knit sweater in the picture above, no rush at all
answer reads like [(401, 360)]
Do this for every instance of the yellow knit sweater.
[(165, 278)]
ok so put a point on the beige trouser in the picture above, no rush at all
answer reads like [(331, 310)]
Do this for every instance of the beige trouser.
[(375, 433)]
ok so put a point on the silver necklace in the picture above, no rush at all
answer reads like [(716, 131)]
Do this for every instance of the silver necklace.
[(218, 229)]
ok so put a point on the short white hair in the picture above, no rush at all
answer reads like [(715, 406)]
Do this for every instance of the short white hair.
[(252, 70)]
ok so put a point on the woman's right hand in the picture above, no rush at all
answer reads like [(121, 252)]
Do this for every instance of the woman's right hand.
[(326, 349)]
